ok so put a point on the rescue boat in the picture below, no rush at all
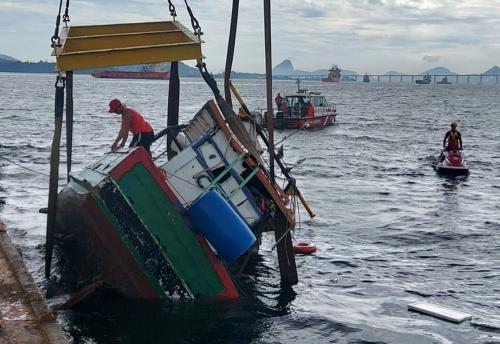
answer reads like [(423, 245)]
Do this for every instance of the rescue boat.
[(291, 113)]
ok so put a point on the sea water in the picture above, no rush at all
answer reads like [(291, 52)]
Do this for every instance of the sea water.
[(389, 230)]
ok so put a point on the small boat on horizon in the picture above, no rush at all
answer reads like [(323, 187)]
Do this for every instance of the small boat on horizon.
[(443, 81), (334, 74), (425, 80), (366, 78)]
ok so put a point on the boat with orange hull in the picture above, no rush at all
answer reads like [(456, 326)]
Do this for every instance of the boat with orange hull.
[(131, 75), (334, 75)]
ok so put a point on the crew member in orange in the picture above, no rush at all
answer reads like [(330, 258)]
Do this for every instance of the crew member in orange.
[(278, 100), (309, 110), (131, 121)]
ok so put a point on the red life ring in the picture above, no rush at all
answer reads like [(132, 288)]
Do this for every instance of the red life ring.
[(304, 248)]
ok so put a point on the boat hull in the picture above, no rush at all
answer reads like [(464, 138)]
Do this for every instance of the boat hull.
[(125, 228), (304, 123), (331, 79), (131, 75)]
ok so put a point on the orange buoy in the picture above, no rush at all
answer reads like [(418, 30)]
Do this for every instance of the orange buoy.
[(304, 248)]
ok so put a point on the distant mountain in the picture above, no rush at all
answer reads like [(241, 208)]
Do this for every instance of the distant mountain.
[(285, 67), (493, 71), (12, 65), (439, 71), (6, 58), (391, 72)]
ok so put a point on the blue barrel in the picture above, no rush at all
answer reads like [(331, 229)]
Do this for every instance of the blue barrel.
[(212, 215)]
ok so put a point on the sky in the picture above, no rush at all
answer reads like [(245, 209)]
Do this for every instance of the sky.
[(374, 36)]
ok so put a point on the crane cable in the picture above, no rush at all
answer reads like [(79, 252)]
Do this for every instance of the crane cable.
[(230, 51), (55, 39)]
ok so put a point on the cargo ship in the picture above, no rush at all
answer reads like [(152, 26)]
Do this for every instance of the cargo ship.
[(111, 74), (334, 74)]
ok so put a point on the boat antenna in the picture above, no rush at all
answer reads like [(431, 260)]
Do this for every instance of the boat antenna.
[(230, 51)]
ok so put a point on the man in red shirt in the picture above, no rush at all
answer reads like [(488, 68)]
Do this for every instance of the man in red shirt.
[(131, 121), (309, 110), (278, 100)]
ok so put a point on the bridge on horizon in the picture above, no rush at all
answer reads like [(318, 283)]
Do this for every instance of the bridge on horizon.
[(452, 78)]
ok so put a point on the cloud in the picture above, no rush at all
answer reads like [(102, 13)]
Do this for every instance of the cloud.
[(431, 58), (362, 35)]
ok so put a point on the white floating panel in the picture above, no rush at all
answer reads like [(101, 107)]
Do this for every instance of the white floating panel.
[(437, 311)]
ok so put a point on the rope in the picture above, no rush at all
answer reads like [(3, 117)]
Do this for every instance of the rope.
[(287, 137), (26, 168)]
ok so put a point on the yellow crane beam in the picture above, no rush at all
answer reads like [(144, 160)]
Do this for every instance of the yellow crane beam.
[(84, 47)]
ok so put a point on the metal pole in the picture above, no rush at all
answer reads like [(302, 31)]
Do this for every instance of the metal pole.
[(173, 104), (54, 175), (69, 121), (284, 245), (269, 85)]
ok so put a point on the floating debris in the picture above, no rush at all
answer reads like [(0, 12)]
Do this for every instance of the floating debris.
[(438, 311)]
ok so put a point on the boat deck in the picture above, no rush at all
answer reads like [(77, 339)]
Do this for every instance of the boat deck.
[(24, 315)]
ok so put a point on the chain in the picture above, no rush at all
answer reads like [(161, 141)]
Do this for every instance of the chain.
[(171, 8), (66, 14), (194, 22), (209, 78), (55, 39)]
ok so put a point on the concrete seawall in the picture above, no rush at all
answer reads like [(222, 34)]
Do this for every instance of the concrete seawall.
[(24, 314)]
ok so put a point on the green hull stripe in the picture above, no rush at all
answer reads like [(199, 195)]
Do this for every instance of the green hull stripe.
[(137, 256), (178, 242)]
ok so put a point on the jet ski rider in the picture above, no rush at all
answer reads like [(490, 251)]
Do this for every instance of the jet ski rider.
[(452, 140)]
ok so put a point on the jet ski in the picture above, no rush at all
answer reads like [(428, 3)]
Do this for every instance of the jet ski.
[(452, 162)]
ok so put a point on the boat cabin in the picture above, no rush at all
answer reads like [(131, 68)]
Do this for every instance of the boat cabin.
[(295, 105)]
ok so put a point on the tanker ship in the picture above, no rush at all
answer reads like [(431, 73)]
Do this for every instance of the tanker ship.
[(148, 72)]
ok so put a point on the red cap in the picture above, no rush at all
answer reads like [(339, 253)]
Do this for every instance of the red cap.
[(114, 104)]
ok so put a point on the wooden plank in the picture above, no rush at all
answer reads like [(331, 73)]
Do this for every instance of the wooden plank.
[(438, 311)]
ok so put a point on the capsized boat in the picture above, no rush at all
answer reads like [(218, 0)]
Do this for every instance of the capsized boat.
[(185, 223), (291, 113), (170, 229), (452, 163)]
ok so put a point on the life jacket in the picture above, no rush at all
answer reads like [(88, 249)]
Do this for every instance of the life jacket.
[(453, 136), (137, 123)]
